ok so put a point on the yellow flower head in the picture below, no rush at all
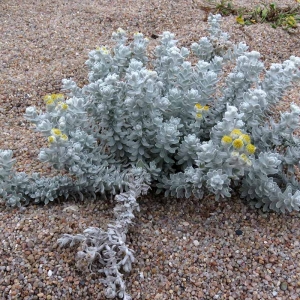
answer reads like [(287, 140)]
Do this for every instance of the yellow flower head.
[(226, 139), (47, 98), (237, 144), (57, 96), (50, 98), (50, 102), (245, 138), (198, 106), (250, 148), (245, 158), (51, 139), (235, 133), (56, 132), (291, 21), (103, 49), (198, 116), (64, 106), (240, 20), (64, 137)]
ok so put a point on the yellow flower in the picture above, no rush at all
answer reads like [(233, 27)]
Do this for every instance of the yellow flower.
[(250, 148), (226, 139), (47, 98), (64, 106), (56, 132), (246, 138), (198, 116), (103, 49), (291, 21), (51, 139), (52, 97), (240, 20), (57, 96), (198, 106), (50, 102), (237, 144), (235, 133), (64, 137), (245, 158)]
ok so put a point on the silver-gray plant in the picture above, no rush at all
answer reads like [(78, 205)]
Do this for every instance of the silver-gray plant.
[(168, 124)]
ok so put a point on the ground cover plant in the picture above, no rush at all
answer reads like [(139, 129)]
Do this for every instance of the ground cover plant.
[(286, 17), (179, 128)]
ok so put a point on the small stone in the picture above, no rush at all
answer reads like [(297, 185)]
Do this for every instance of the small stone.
[(185, 223), (196, 243), (198, 283), (49, 273), (82, 282), (239, 232), (284, 286), (30, 258)]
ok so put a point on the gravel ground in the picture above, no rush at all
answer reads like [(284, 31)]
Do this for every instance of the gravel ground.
[(185, 249)]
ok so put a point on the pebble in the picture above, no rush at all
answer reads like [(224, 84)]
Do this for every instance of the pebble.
[(239, 232), (284, 286), (196, 243)]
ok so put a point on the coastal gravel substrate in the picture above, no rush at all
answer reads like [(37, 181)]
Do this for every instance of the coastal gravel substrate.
[(185, 249)]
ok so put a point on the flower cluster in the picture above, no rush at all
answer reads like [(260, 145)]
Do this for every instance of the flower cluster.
[(200, 110), (241, 143), (55, 102), (104, 50), (57, 136), (51, 99)]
